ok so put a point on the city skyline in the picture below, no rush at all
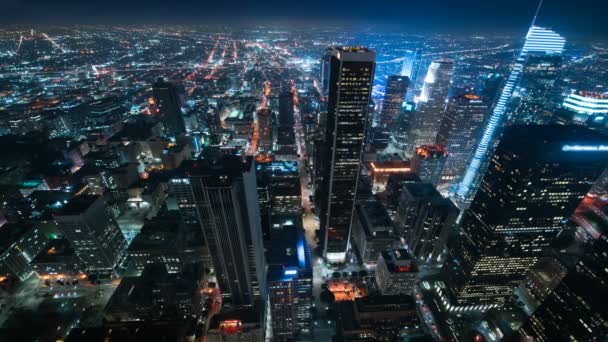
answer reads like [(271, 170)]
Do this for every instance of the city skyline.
[(390, 171)]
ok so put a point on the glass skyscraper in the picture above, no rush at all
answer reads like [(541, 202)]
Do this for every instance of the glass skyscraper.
[(351, 75), (219, 196), (538, 40), (536, 179), (432, 103)]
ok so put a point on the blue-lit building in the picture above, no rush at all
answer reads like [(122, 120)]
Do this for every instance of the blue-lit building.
[(411, 67), (586, 105), (289, 284), (539, 41)]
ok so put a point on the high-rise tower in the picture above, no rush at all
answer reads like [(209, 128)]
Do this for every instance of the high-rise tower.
[(396, 87), (536, 179), (219, 196), (165, 94), (433, 101), (351, 76), (538, 41), (459, 132)]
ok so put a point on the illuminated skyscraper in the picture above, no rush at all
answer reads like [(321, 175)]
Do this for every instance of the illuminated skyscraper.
[(538, 40), (433, 101), (460, 131), (536, 179), (585, 105), (350, 87), (536, 95), (411, 69), (396, 87), (219, 196), (264, 130), (167, 99)]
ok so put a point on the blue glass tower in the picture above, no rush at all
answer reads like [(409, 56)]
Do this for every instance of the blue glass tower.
[(538, 40)]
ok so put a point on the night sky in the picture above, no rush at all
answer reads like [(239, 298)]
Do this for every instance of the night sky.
[(582, 18)]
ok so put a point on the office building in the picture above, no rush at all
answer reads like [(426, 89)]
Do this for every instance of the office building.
[(536, 96), (219, 196), (396, 87), (373, 231), (164, 241), (426, 220), (19, 245), (536, 179), (167, 99), (538, 41), (381, 171), (396, 272), (460, 131), (428, 162), (93, 233), (57, 261), (412, 63), (241, 324), (432, 104), (158, 295), (290, 284), (264, 130), (379, 318), (575, 309), (351, 78), (585, 105)]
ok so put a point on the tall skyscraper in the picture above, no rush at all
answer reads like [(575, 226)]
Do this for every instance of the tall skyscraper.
[(264, 130), (219, 196), (538, 41), (433, 101), (536, 96), (350, 87), (396, 87), (93, 233), (411, 68), (536, 178), (167, 99), (460, 131)]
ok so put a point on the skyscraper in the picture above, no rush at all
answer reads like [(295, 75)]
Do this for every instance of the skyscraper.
[(538, 40), (426, 220), (536, 94), (219, 196), (536, 178), (428, 163), (411, 68), (165, 94), (460, 131), (264, 130), (396, 87), (350, 86), (433, 101), (93, 233), (290, 284)]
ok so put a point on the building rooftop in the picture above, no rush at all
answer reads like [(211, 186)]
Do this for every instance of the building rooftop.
[(78, 205), (399, 261), (374, 218), (431, 152), (55, 251)]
